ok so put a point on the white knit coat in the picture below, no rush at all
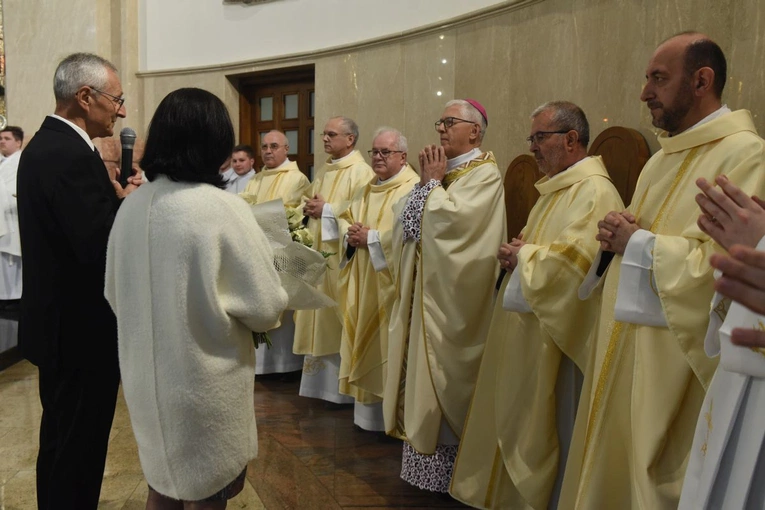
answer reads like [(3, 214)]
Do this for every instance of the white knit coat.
[(189, 275)]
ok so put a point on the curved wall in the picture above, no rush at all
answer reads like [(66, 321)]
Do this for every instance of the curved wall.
[(176, 35)]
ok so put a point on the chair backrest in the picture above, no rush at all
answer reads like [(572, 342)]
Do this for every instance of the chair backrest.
[(520, 193), (624, 152)]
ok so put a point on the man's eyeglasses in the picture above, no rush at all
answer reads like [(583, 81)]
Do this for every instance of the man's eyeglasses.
[(272, 146), (119, 101), (332, 134), (450, 121), (382, 153), (540, 136)]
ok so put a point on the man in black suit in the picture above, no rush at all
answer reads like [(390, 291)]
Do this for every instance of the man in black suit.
[(67, 205)]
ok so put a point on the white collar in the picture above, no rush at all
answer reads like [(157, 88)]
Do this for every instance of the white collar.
[(284, 163), (381, 181), (77, 128), (570, 167), (712, 116), (340, 159), (453, 163)]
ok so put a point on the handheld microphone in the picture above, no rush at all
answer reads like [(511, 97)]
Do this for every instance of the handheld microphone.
[(127, 139)]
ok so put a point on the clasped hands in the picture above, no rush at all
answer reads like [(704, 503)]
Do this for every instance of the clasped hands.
[(357, 235), (314, 206), (615, 231), (508, 253)]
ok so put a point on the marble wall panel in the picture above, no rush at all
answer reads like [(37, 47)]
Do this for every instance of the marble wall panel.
[(38, 34), (592, 52), (430, 73)]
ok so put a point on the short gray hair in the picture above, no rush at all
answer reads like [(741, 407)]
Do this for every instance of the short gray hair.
[(350, 127), (471, 113), (80, 69), (567, 116), (401, 143)]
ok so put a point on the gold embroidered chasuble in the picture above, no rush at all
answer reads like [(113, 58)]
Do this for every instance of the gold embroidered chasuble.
[(508, 455), (366, 296), (644, 385), (317, 332), (287, 183), (444, 298)]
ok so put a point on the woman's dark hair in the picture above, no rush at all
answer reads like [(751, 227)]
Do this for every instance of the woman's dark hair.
[(190, 136)]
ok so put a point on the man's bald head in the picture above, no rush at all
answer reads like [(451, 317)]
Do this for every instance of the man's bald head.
[(700, 51), (274, 148), (685, 78)]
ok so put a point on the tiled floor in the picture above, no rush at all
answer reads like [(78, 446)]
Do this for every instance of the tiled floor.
[(310, 457)]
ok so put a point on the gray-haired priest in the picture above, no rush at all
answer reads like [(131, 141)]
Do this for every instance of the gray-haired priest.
[(513, 451), (366, 291), (445, 239), (318, 332)]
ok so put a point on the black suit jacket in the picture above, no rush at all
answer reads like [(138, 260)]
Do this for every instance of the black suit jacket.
[(66, 206)]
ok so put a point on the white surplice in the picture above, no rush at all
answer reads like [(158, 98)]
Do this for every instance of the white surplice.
[(10, 243), (727, 463)]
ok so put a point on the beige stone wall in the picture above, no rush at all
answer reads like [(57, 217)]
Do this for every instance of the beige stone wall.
[(592, 52)]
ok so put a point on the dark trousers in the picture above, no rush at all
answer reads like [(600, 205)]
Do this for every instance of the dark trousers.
[(78, 409)]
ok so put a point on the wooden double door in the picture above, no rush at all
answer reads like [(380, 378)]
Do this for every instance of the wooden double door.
[(285, 100)]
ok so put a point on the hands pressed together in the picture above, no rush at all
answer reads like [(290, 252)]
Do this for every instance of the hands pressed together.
[(615, 230), (432, 164), (737, 223), (508, 253), (357, 235)]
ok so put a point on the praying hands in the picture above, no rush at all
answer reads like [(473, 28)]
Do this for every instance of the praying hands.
[(357, 235), (314, 206), (730, 216), (508, 253), (615, 231)]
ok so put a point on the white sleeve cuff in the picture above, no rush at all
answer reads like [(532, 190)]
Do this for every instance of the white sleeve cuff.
[(344, 259), (376, 253), (637, 298), (591, 279), (329, 230), (513, 300)]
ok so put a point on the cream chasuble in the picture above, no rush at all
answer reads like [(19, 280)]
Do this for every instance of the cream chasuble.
[(317, 332), (286, 182), (444, 298), (727, 464), (509, 452), (366, 296), (644, 385)]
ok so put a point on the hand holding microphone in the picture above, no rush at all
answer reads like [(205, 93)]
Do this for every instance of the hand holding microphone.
[(127, 139)]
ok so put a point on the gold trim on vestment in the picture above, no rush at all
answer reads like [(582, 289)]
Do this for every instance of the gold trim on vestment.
[(616, 332), (482, 159), (543, 221), (498, 460), (721, 310), (573, 255), (708, 418)]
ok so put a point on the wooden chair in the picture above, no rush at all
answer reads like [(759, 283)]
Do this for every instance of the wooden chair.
[(520, 193), (624, 152)]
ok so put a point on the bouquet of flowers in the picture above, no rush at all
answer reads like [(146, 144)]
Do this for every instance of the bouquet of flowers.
[(300, 268)]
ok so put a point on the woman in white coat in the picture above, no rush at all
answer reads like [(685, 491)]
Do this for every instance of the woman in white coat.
[(189, 275)]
